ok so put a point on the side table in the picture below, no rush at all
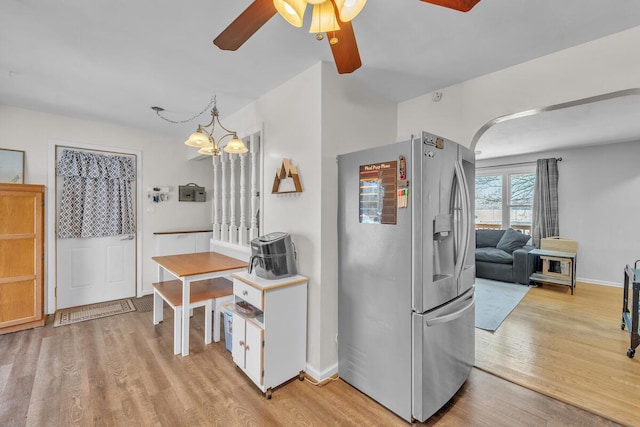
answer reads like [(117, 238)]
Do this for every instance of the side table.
[(566, 277)]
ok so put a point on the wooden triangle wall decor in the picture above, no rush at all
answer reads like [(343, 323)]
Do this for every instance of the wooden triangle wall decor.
[(287, 170)]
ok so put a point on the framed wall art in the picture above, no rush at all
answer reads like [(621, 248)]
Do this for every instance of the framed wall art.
[(11, 166)]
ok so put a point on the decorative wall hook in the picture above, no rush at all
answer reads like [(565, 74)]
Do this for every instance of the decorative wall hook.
[(157, 194)]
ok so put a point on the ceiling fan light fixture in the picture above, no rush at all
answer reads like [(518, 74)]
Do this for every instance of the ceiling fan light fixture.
[(324, 18), (198, 139), (461, 5), (291, 10), (349, 9)]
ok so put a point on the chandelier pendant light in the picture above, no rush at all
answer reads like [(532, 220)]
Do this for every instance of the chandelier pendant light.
[(204, 139)]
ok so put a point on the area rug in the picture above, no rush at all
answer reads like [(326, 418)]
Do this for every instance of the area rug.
[(143, 304), (68, 316), (495, 300)]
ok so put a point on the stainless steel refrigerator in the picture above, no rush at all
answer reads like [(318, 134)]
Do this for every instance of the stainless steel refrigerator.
[(406, 304)]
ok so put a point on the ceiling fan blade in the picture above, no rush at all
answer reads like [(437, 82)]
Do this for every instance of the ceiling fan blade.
[(345, 51), (461, 5), (245, 25)]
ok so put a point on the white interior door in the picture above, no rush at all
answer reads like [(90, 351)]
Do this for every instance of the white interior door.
[(91, 270)]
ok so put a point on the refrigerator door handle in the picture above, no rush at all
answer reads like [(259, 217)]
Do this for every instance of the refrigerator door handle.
[(466, 211), (452, 316), (464, 197)]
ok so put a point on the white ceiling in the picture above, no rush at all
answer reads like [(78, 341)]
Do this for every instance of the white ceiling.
[(112, 60), (605, 119)]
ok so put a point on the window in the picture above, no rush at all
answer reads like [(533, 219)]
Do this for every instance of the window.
[(504, 198)]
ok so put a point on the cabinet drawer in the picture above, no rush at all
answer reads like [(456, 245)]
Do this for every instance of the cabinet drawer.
[(248, 293)]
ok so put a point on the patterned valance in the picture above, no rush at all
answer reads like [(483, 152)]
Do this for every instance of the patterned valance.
[(91, 165), (96, 195)]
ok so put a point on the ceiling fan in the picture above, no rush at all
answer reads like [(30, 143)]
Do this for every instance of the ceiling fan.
[(332, 17)]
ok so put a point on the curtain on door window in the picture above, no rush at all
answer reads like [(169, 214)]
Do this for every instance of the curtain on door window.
[(545, 201), (96, 195)]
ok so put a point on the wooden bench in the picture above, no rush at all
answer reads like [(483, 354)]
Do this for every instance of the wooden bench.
[(209, 293)]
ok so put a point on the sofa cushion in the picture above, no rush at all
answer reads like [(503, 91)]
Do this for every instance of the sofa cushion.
[(488, 238), (493, 255), (512, 240)]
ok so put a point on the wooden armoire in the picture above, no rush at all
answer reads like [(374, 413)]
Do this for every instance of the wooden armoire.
[(21, 257)]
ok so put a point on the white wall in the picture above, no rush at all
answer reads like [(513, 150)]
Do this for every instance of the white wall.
[(601, 66), (310, 119), (353, 118), (599, 206), (289, 118), (164, 162)]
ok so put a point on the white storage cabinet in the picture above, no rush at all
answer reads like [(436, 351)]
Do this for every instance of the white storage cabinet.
[(269, 344)]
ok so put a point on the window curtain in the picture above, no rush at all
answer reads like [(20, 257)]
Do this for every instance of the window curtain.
[(545, 201), (96, 195)]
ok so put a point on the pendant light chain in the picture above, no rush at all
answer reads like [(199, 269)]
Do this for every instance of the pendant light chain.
[(177, 122)]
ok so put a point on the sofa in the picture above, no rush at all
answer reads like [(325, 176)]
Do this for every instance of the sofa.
[(503, 255)]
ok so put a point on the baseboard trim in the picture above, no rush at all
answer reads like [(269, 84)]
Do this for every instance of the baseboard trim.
[(599, 282), (318, 376)]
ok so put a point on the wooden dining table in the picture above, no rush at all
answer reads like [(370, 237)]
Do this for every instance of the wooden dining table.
[(193, 267)]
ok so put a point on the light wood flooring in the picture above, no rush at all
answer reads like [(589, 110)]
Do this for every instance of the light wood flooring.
[(569, 347), (121, 370)]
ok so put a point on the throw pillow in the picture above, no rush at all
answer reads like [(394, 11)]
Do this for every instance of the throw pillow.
[(512, 240)]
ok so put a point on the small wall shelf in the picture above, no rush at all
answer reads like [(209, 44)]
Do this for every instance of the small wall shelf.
[(287, 170)]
